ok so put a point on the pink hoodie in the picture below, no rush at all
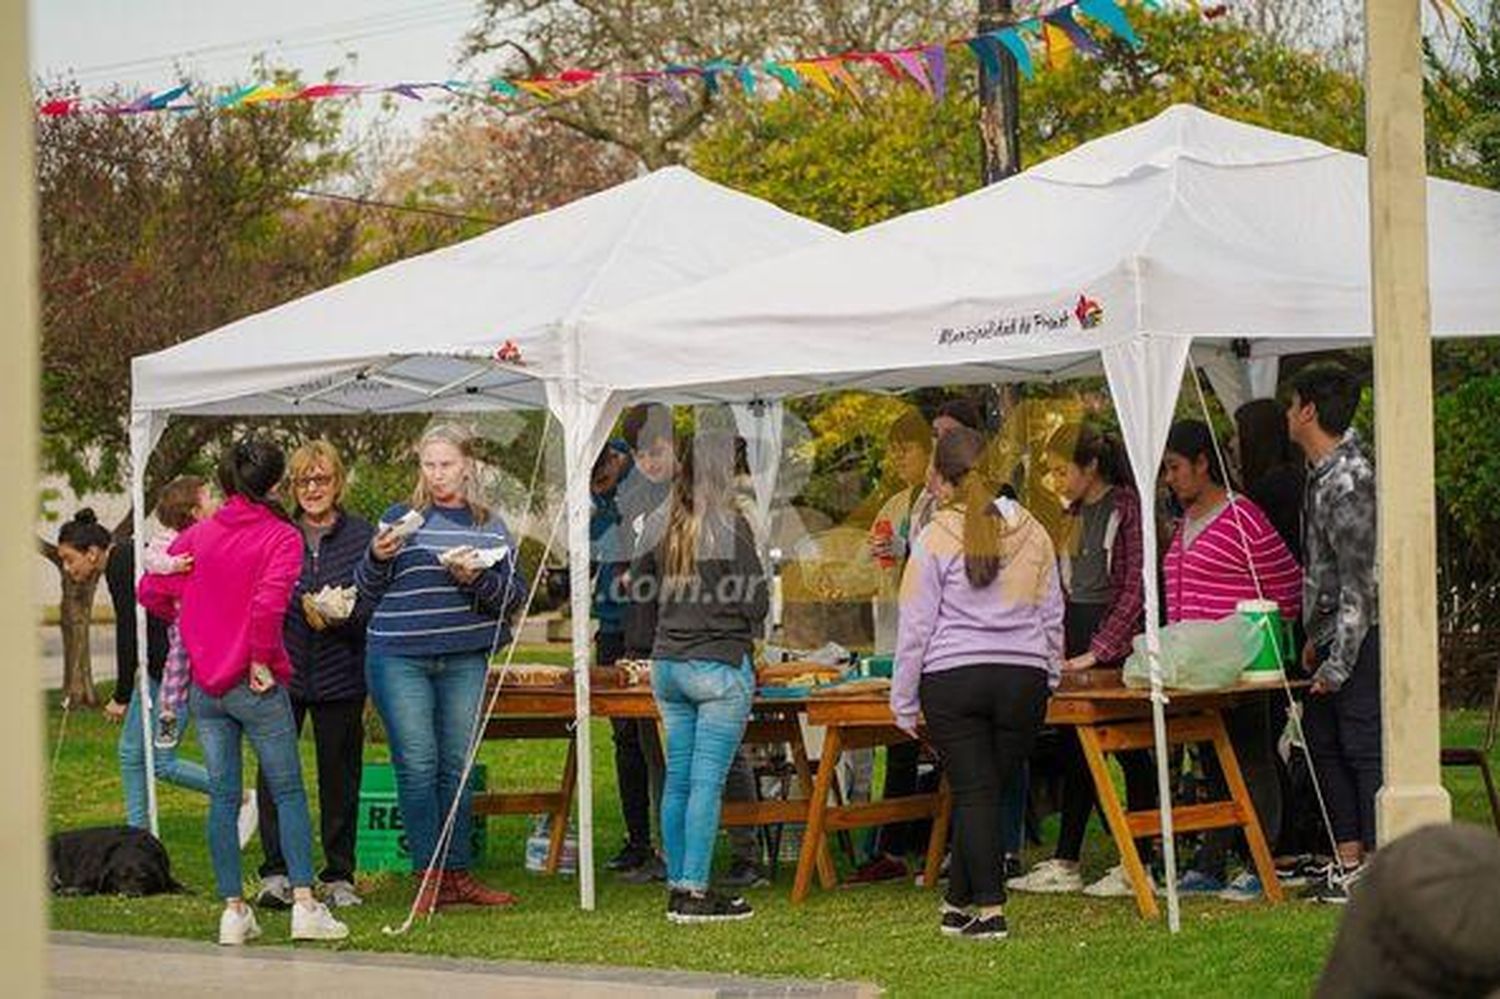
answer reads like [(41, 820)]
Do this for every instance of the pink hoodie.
[(245, 562)]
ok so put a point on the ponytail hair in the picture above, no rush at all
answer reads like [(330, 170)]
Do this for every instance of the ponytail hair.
[(84, 532), (958, 460), (252, 469), (1105, 451)]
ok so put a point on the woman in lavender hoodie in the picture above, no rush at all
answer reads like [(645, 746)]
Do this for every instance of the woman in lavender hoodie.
[(979, 649)]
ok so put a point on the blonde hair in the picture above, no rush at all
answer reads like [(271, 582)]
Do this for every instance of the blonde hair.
[(462, 441), (705, 474), (305, 459)]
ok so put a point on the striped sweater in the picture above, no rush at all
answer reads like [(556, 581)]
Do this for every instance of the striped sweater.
[(420, 609), (1206, 579)]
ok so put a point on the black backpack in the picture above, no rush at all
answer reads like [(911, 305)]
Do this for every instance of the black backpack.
[(112, 860)]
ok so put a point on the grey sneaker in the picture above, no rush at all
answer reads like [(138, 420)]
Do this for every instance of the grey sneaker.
[(341, 895), (745, 874), (653, 870), (275, 892)]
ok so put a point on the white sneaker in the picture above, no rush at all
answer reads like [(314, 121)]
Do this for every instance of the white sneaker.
[(236, 926), (1115, 884), (341, 895), (1050, 877), (249, 819), (314, 922)]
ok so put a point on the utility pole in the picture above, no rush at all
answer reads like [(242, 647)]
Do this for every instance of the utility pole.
[(999, 101)]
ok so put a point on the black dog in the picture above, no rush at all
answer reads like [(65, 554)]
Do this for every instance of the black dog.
[(114, 860)]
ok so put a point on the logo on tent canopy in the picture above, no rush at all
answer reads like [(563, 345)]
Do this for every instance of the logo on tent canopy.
[(1089, 312), (509, 353)]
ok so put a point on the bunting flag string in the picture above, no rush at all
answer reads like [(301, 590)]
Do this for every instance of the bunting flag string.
[(1051, 38)]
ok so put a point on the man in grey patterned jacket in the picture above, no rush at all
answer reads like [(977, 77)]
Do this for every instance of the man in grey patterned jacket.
[(1341, 716)]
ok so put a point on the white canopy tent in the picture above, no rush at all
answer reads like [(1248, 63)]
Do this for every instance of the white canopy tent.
[(1189, 234), (486, 324)]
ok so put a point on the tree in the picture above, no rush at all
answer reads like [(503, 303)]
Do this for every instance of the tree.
[(1463, 104), (154, 228), (850, 165), (488, 168), (657, 121)]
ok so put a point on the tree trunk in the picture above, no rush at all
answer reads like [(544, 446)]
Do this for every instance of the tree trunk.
[(77, 613)]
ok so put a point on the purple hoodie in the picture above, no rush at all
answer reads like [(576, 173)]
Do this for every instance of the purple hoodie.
[(945, 622)]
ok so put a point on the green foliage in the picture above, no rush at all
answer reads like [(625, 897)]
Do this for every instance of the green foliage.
[(850, 165), (1468, 458), (154, 228), (843, 164), (1463, 105), (374, 486)]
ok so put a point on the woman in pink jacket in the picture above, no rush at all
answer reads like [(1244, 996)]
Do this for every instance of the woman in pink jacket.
[(230, 608)]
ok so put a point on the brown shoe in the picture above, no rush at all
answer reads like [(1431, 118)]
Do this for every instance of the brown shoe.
[(460, 888), (428, 898)]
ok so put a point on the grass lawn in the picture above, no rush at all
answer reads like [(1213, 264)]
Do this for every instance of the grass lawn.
[(885, 934)]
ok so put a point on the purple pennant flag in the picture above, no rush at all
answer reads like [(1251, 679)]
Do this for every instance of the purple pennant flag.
[(913, 67), (937, 68), (1062, 19), (675, 89)]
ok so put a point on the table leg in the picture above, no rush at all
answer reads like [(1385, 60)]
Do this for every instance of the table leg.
[(1265, 866), (814, 843), (827, 875), (1114, 816), (937, 842), (563, 810)]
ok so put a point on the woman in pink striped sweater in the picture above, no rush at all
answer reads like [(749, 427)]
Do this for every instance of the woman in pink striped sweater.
[(1219, 550)]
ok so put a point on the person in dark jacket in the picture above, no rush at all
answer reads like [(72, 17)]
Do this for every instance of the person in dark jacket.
[(1273, 470), (711, 593), (327, 650)]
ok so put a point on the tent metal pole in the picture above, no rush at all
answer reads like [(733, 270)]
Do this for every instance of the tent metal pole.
[(1412, 794)]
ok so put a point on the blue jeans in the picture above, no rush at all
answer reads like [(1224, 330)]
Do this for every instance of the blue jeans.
[(132, 750), (704, 705), (428, 705), (266, 720)]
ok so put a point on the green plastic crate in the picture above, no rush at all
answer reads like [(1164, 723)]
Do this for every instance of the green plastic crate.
[(381, 841)]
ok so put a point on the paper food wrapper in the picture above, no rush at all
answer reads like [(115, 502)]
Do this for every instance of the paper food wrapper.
[(478, 558), (335, 602), (409, 523)]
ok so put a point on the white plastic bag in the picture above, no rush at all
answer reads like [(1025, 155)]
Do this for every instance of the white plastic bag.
[(1198, 655)]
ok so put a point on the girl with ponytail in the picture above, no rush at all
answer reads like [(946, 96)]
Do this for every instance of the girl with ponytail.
[(1101, 579), (979, 649)]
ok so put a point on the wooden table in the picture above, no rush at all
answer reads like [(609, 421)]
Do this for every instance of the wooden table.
[(548, 713), (862, 722), (1107, 720), (1118, 719)]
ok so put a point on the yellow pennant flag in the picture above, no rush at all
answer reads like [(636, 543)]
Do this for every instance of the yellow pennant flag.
[(1059, 45), (268, 92), (836, 69), (817, 76), (534, 89)]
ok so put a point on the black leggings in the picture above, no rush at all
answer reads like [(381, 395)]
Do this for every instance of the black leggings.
[(983, 719)]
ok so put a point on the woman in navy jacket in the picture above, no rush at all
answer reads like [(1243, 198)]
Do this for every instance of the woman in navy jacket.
[(327, 650)]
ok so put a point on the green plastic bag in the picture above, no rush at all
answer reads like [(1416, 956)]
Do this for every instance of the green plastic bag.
[(1198, 655)]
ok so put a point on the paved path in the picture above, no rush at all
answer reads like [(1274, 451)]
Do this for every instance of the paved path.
[(101, 966)]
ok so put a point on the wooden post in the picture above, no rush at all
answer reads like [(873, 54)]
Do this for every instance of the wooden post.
[(999, 102), (1413, 794), (23, 919)]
